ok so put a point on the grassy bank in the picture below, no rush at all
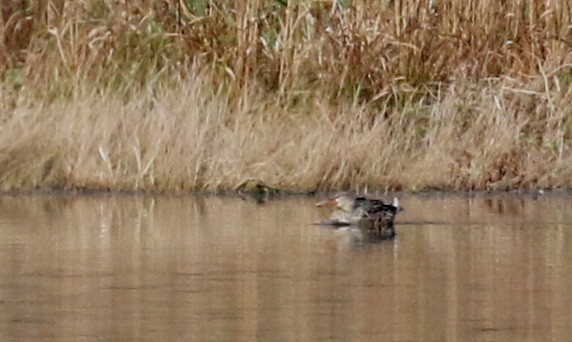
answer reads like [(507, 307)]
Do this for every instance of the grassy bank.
[(161, 96)]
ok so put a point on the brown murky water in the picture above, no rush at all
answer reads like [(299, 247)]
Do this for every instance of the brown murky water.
[(127, 267)]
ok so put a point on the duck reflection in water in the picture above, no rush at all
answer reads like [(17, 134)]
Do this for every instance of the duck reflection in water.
[(370, 215)]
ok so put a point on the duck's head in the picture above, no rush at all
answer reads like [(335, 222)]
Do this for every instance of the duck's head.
[(340, 201)]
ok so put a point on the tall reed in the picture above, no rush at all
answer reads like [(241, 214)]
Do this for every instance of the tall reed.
[(165, 96)]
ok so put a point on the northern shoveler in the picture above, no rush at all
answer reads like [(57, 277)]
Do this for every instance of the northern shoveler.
[(366, 213)]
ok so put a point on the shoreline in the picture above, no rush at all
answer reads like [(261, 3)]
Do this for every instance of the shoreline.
[(286, 195)]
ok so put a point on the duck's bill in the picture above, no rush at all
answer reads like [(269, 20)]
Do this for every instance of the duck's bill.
[(327, 202)]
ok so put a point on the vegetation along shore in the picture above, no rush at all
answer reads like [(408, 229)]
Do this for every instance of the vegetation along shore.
[(178, 96)]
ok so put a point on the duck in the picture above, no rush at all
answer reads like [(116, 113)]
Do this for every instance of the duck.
[(370, 214)]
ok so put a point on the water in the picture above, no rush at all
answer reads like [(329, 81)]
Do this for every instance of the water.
[(463, 268)]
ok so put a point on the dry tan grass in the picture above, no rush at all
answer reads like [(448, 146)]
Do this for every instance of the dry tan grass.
[(190, 138), (139, 95)]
